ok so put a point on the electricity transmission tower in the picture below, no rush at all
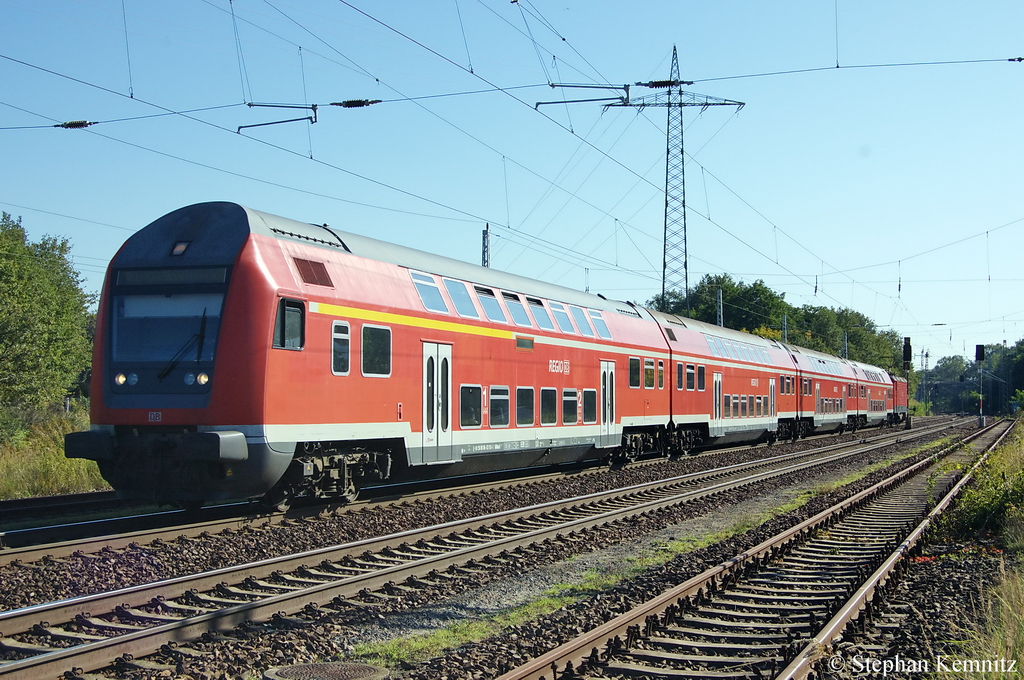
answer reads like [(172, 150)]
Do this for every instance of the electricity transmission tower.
[(675, 262), (675, 274)]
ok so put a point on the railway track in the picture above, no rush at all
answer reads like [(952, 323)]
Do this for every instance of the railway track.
[(774, 610), (32, 544), (93, 631)]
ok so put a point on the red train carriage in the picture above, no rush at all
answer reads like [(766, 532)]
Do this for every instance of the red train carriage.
[(241, 354)]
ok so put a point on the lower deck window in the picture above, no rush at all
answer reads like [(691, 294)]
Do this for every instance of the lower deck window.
[(589, 407), (339, 348), (548, 406), (499, 410), (570, 407), (470, 406), (524, 406), (376, 351)]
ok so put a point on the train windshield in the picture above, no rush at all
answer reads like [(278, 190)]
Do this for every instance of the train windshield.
[(159, 327)]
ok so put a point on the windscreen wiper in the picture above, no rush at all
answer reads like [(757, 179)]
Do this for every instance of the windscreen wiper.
[(196, 339)]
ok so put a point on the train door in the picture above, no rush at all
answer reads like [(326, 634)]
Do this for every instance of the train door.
[(716, 416), (773, 416), (608, 437), (437, 399)]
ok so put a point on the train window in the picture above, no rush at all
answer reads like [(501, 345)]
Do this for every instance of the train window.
[(649, 373), (863, 391), (581, 321), (492, 308), (661, 375), (728, 406), (561, 318), (548, 406), (721, 347), (570, 407), (157, 327), (679, 376), (376, 351), (524, 406), (540, 314), (599, 325), (499, 411), (339, 348), (757, 401), (516, 309), (289, 328), (713, 346), (470, 406), (690, 376), (430, 294), (461, 299), (743, 406), (589, 407), (634, 372), (701, 379)]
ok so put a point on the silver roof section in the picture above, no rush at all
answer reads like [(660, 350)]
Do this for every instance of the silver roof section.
[(330, 238)]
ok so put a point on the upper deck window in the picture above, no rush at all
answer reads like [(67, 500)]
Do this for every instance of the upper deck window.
[(561, 317), (540, 314), (581, 321), (430, 294), (461, 299), (599, 324), (492, 308), (516, 309)]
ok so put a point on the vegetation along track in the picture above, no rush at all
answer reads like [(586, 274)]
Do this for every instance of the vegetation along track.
[(33, 543), (775, 609), (139, 620)]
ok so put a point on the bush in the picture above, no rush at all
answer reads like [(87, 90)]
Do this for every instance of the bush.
[(993, 500), (32, 461)]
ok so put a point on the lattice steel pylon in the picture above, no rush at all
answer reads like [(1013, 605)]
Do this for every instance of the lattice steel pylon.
[(675, 259)]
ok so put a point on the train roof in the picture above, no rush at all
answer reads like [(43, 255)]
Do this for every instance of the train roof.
[(330, 238)]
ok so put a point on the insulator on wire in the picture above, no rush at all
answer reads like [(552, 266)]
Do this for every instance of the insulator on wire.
[(355, 103), (74, 124)]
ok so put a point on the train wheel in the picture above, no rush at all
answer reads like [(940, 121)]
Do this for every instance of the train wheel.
[(278, 499)]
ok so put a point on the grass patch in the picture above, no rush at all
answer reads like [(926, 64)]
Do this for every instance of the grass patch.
[(994, 501), (32, 461)]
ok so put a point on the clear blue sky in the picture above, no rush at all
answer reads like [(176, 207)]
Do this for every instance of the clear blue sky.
[(896, 189)]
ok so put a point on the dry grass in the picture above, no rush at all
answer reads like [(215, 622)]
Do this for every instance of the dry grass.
[(33, 463)]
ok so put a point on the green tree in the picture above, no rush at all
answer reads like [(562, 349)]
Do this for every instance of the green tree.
[(44, 317)]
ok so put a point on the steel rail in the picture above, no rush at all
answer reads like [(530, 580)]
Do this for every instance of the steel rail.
[(148, 640), (124, 540), (587, 646), (805, 661)]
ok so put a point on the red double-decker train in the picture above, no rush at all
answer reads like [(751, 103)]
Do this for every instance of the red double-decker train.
[(240, 354)]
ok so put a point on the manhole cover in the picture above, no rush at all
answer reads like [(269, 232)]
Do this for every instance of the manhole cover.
[(326, 671)]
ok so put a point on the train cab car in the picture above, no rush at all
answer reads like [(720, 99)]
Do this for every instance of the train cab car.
[(241, 354), (900, 402)]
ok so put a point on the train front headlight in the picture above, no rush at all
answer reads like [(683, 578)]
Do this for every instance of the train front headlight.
[(190, 378), (133, 379), (202, 378), (120, 378)]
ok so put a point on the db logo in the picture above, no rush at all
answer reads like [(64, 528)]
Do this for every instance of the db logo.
[(155, 416)]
